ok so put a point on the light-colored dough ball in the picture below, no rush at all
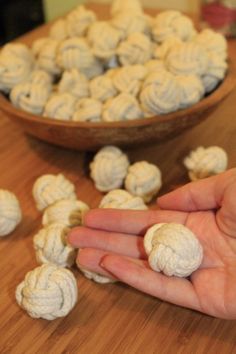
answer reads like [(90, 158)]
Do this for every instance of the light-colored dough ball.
[(127, 24), (213, 42), (103, 39), (97, 278), (41, 77), (88, 110), (162, 50), (48, 189), (16, 64), (121, 199), (187, 58), (191, 90), (47, 292), (45, 51), (129, 79), (18, 50), (68, 212), (50, 245), (58, 30), (173, 249), (136, 49), (30, 97), (160, 93), (133, 6), (75, 83), (60, 106), (172, 22), (217, 68), (79, 20), (143, 180), (74, 53), (205, 162), (122, 107), (10, 212), (102, 88), (109, 168)]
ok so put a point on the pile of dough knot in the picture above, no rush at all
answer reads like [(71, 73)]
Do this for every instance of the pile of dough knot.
[(131, 66)]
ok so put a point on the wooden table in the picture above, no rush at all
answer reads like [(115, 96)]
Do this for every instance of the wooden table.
[(111, 318)]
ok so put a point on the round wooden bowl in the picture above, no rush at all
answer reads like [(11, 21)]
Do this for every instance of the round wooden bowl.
[(91, 136)]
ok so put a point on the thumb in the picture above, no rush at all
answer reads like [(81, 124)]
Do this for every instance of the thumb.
[(217, 192)]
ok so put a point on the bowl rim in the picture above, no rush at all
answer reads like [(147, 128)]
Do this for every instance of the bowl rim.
[(214, 97)]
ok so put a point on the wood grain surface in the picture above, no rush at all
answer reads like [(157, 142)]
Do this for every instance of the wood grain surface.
[(111, 318)]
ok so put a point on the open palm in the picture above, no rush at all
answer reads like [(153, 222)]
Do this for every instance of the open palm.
[(111, 243)]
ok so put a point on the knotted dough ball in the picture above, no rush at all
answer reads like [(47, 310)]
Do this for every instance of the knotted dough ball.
[(68, 212), (162, 50), (173, 249), (143, 180), (188, 58), (45, 52), (30, 97), (136, 49), (109, 168), (213, 42), (122, 107), (98, 278), (205, 162), (50, 245), (60, 106), (79, 20), (121, 199), (74, 53), (41, 77), (128, 23), (58, 30), (48, 189), (75, 83), (129, 79), (10, 212), (171, 22), (160, 93), (103, 39), (16, 64), (191, 90), (47, 292), (102, 88), (217, 68), (88, 110), (133, 6)]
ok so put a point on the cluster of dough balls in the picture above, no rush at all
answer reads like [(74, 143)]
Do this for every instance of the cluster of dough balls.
[(55, 196), (50, 290), (111, 169), (131, 66)]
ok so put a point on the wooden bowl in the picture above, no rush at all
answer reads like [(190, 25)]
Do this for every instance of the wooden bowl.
[(91, 136)]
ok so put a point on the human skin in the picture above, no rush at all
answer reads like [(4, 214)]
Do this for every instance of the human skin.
[(111, 243)]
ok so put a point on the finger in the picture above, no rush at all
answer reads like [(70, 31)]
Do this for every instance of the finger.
[(130, 221), (90, 259), (204, 194), (127, 245), (178, 291)]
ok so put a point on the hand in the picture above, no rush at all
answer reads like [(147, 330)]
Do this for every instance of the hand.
[(111, 243)]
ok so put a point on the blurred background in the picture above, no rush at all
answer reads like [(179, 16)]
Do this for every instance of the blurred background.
[(19, 16)]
